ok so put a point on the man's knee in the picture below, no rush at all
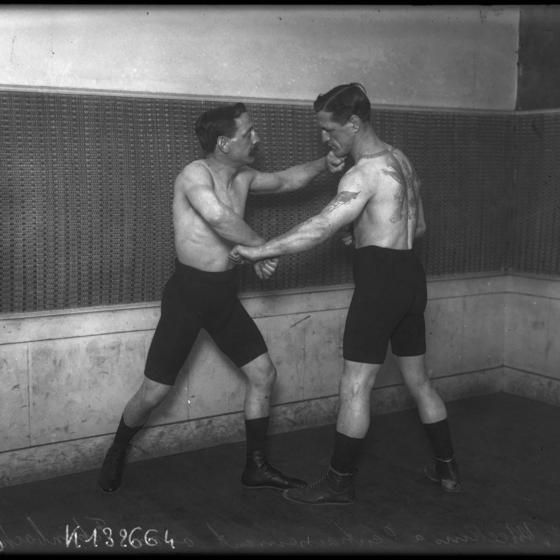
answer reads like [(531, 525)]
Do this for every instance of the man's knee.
[(357, 380), (414, 372), (151, 392), (420, 383), (267, 374), (261, 372), (421, 386)]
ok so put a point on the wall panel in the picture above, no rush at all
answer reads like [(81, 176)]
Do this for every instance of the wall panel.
[(534, 203), (85, 203)]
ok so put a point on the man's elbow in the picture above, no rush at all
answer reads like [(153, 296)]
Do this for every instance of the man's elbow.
[(420, 230), (215, 218)]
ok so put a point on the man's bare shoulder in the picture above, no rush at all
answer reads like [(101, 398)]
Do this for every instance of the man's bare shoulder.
[(360, 177), (194, 173), (197, 166)]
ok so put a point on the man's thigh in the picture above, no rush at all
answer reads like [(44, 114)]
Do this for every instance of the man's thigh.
[(238, 336)]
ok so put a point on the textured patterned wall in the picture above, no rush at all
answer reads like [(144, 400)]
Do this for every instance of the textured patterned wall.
[(534, 204), (86, 186)]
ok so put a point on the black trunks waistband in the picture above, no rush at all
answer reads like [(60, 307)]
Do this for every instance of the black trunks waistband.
[(205, 275), (377, 250)]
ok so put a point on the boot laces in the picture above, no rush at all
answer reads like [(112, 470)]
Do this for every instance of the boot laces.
[(318, 481)]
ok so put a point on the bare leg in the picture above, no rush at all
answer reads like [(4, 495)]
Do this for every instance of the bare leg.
[(149, 396), (135, 414), (352, 425), (356, 385), (258, 473), (433, 414), (260, 377), (430, 405)]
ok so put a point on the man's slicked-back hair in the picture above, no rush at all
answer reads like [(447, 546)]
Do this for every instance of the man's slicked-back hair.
[(343, 101), (216, 122)]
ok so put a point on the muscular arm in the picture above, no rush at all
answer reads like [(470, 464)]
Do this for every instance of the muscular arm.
[(198, 188), (293, 178), (416, 183), (342, 210)]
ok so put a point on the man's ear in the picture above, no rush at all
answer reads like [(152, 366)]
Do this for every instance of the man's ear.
[(355, 121), (223, 144)]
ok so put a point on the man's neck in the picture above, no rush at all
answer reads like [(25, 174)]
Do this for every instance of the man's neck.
[(367, 144), (222, 166)]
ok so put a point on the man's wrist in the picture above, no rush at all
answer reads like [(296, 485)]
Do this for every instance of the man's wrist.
[(257, 252)]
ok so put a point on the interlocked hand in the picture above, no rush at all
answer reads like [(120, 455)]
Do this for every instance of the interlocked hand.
[(265, 269)]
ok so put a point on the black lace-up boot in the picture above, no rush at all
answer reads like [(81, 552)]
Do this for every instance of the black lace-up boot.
[(334, 489), (259, 473), (112, 469), (445, 473)]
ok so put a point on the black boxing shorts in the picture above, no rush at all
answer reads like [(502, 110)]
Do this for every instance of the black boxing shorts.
[(196, 299), (388, 304)]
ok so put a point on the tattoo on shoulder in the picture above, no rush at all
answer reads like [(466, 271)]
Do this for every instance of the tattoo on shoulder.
[(343, 197)]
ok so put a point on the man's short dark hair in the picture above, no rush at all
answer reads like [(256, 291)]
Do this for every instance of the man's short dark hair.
[(343, 101), (216, 122)]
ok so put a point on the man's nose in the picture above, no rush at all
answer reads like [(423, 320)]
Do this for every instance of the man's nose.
[(256, 138), (324, 136)]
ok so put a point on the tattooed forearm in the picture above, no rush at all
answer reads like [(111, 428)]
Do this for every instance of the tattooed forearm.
[(343, 197), (292, 234), (309, 233)]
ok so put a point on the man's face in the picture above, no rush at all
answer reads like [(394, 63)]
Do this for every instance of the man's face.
[(243, 145), (339, 137)]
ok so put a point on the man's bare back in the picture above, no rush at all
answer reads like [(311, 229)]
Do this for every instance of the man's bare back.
[(390, 216)]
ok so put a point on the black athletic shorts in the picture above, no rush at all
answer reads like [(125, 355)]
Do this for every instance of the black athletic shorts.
[(388, 304), (196, 299)]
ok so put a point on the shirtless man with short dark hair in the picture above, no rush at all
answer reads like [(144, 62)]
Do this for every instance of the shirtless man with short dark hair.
[(379, 197), (208, 208)]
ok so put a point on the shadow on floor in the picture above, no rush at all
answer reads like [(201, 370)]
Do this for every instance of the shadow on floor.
[(509, 455)]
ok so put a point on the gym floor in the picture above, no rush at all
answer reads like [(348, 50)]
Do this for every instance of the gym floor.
[(507, 447)]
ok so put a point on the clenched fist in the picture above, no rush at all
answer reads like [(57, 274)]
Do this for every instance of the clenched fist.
[(334, 163)]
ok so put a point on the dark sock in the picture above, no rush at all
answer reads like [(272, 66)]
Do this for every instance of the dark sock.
[(256, 430), (124, 433), (345, 453), (440, 438)]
